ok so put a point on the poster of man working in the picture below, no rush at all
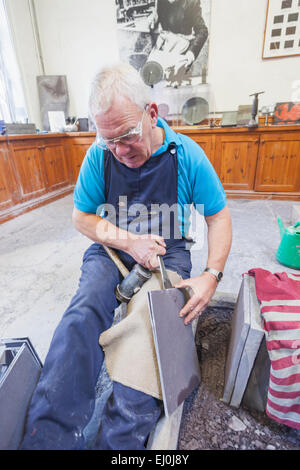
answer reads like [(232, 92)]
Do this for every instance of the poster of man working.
[(172, 33)]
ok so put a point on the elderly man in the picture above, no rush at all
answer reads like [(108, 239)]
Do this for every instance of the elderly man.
[(136, 155)]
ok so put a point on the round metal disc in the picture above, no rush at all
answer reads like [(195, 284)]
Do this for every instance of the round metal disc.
[(195, 110), (152, 73)]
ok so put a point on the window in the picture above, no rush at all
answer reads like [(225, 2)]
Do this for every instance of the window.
[(276, 32), (293, 17), (286, 4), (274, 45), (290, 30), (12, 104), (279, 18), (288, 44)]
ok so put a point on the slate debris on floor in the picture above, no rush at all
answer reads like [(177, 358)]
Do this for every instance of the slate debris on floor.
[(208, 423)]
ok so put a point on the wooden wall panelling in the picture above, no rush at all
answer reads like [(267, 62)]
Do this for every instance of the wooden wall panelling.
[(235, 160), (278, 166), (9, 194), (29, 168), (55, 162), (78, 147), (207, 143), (260, 163)]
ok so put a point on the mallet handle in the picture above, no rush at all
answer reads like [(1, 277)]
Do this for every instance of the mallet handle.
[(114, 257)]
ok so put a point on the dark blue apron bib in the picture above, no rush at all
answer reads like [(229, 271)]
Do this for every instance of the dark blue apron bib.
[(153, 184)]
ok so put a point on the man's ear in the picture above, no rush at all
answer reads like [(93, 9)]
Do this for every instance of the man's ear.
[(153, 113)]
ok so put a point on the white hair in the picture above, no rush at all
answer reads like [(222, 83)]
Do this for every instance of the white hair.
[(113, 81)]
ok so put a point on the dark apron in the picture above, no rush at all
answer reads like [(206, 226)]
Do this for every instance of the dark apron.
[(136, 195)]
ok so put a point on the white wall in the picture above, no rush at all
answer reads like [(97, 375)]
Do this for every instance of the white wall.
[(236, 67), (78, 36)]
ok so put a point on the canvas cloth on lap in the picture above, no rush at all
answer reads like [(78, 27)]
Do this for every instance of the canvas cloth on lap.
[(279, 297), (129, 349)]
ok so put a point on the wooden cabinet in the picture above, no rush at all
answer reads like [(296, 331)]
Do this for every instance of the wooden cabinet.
[(207, 143), (278, 168), (8, 190), (35, 169), (40, 166), (77, 148), (55, 164), (29, 171), (235, 161), (253, 163), (263, 162)]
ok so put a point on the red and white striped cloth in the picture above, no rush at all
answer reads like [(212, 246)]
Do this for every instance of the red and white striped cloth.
[(279, 297)]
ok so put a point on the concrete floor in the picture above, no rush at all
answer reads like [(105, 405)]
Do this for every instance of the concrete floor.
[(41, 253)]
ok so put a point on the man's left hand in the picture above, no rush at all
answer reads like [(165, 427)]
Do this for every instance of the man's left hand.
[(204, 287), (183, 60)]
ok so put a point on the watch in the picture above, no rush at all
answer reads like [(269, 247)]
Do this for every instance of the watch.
[(218, 274)]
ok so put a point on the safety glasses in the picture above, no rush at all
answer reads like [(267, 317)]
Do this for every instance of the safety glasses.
[(130, 138)]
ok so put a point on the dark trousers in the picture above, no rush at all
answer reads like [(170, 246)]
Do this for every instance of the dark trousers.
[(64, 400)]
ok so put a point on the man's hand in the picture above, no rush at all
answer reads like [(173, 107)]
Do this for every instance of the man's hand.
[(145, 249), (184, 60), (204, 287), (152, 21)]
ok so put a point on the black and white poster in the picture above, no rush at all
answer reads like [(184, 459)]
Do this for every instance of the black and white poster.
[(168, 40), (172, 33)]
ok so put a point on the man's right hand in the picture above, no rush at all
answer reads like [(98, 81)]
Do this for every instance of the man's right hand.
[(145, 249), (152, 21)]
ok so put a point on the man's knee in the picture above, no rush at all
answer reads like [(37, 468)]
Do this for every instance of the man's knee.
[(98, 271), (98, 282)]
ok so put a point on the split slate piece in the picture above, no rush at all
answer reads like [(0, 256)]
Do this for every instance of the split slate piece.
[(239, 331), (252, 345), (175, 347), (22, 369), (247, 366)]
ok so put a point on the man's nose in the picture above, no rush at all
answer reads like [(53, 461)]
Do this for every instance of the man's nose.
[(121, 149)]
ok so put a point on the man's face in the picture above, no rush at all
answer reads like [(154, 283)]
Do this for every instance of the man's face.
[(122, 117)]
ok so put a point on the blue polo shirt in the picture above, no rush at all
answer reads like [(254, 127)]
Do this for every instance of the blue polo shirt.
[(198, 183)]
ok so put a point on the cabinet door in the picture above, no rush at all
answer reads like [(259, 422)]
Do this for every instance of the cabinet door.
[(8, 190), (29, 168), (78, 148), (235, 160), (207, 143), (278, 166), (56, 169)]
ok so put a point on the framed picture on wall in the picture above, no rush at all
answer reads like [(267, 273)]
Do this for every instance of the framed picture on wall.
[(282, 29), (53, 95)]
